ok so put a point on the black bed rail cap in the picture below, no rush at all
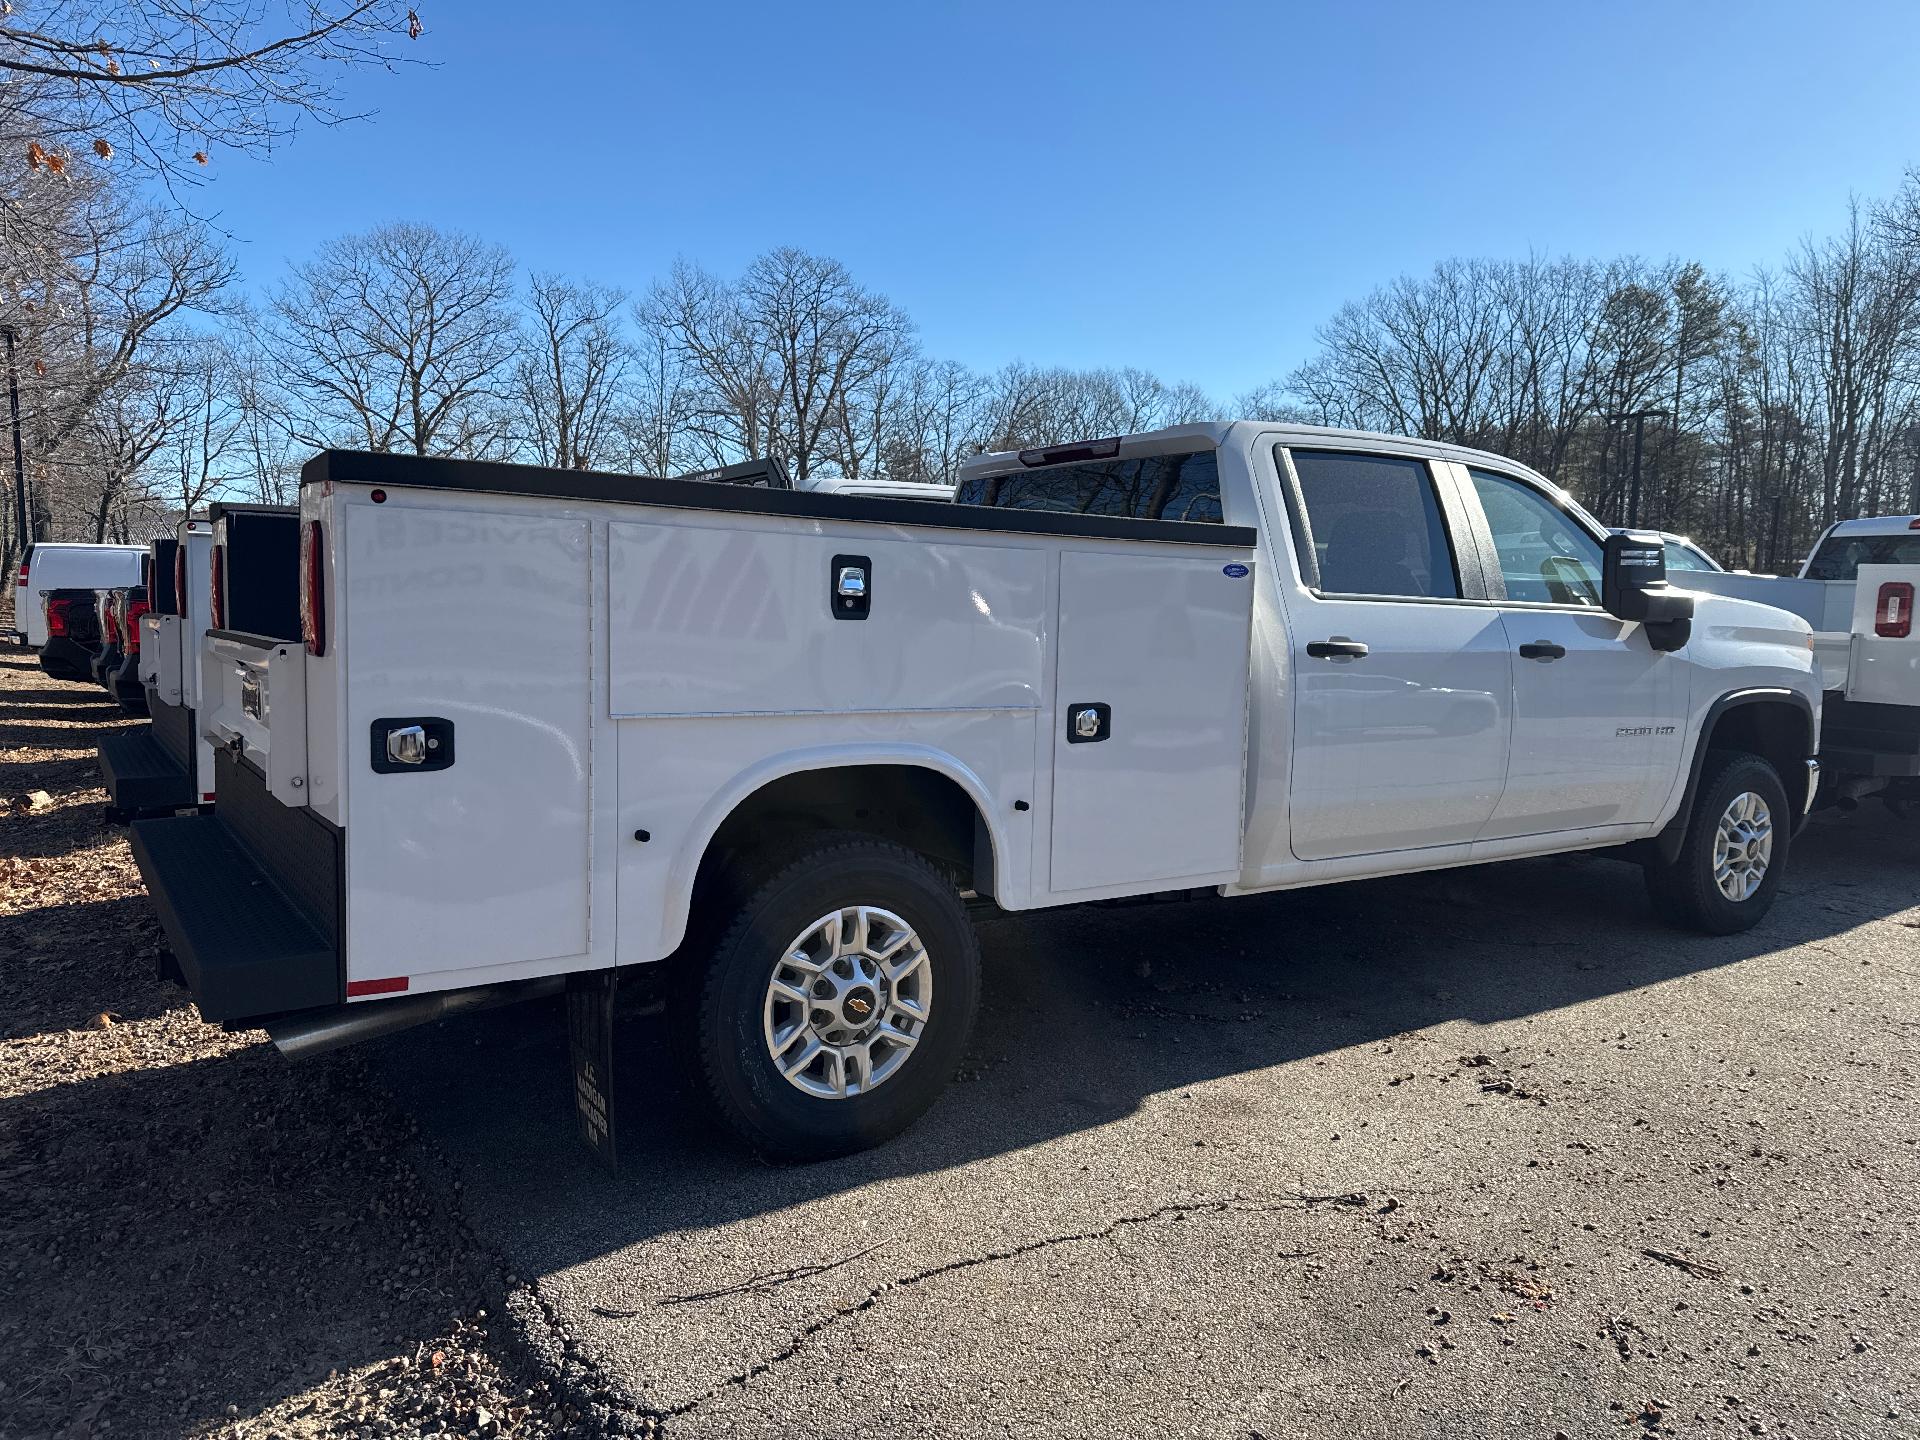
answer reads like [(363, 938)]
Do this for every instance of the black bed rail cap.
[(238, 507), (432, 472)]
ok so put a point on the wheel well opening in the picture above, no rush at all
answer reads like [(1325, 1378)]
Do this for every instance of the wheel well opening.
[(908, 804), (1773, 729)]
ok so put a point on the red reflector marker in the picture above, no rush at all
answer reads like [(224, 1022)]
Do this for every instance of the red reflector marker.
[(1893, 611), (313, 595), (388, 986), (206, 797)]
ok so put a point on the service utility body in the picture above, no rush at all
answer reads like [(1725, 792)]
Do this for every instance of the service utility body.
[(771, 744)]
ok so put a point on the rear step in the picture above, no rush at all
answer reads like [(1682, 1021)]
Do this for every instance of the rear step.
[(142, 778), (243, 949)]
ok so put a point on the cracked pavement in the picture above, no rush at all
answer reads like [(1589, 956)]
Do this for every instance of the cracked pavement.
[(1480, 1153)]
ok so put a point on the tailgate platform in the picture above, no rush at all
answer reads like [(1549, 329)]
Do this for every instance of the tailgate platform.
[(142, 778), (244, 949)]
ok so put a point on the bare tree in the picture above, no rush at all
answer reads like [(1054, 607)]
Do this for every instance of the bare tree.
[(780, 360), (401, 338), (158, 83), (570, 374)]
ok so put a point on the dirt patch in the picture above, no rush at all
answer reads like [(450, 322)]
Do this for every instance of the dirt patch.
[(197, 1237)]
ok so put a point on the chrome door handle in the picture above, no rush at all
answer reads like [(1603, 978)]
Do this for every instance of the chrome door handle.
[(407, 745)]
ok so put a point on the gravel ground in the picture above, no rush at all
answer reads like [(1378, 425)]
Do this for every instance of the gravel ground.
[(196, 1237)]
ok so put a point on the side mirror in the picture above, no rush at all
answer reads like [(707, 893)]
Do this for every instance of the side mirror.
[(1633, 586)]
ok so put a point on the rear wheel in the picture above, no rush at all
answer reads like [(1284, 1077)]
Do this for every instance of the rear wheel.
[(1729, 866), (838, 1002)]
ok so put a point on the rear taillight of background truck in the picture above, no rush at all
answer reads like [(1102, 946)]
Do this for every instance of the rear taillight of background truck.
[(217, 594), (313, 595), (1893, 611), (57, 616)]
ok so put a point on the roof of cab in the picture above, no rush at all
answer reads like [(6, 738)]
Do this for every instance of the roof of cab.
[(1877, 525), (1213, 434)]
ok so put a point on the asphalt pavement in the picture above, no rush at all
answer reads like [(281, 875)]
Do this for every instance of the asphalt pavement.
[(1480, 1153)]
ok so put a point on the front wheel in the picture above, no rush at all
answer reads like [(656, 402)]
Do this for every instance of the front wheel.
[(1728, 870), (839, 1001)]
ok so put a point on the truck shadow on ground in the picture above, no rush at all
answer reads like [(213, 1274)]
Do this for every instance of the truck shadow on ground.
[(73, 940), (102, 709), (1086, 1013), (208, 1233)]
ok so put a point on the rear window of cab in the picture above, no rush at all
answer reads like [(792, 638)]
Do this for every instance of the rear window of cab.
[(1841, 556), (1147, 487)]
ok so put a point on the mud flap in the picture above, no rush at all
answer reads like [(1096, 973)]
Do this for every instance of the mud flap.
[(590, 995)]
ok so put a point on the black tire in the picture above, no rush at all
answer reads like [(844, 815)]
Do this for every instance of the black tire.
[(728, 994), (1684, 891)]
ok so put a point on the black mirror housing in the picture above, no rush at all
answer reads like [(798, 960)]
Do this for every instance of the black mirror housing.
[(1635, 563), (1633, 586)]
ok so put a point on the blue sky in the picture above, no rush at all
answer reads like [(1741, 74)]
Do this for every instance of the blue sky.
[(1190, 187)]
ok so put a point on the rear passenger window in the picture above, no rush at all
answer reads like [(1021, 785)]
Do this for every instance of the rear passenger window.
[(1372, 526), (1150, 487)]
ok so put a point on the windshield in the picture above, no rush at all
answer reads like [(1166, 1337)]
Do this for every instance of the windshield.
[(1841, 556), (1682, 556)]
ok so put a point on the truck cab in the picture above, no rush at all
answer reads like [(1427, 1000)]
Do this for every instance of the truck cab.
[(780, 740)]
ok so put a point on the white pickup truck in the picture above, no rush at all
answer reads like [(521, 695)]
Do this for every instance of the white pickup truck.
[(546, 723), (1856, 590)]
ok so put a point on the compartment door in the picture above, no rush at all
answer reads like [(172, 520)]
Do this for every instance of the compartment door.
[(478, 627), (1150, 719)]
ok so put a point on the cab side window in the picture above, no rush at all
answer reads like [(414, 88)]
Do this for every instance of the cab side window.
[(1546, 556), (1372, 526)]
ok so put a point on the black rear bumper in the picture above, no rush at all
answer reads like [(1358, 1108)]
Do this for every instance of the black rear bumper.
[(126, 687), (244, 949), (105, 661), (250, 898), (142, 778), (1865, 739), (66, 659)]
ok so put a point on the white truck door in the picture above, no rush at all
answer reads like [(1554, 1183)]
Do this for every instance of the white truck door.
[(485, 860), (1401, 692), (1150, 717), (1598, 714)]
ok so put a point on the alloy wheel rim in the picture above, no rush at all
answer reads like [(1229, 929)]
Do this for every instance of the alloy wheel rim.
[(848, 1000), (1743, 846)]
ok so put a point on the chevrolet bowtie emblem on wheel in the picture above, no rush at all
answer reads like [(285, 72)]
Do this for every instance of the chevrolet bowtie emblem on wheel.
[(859, 1006)]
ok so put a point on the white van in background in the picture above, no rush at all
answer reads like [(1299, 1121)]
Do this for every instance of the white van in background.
[(58, 565)]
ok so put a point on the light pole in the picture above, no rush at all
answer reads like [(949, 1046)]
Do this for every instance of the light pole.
[(1639, 418), (19, 455)]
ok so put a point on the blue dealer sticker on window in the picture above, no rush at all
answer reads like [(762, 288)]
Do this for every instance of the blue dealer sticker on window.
[(1235, 571)]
